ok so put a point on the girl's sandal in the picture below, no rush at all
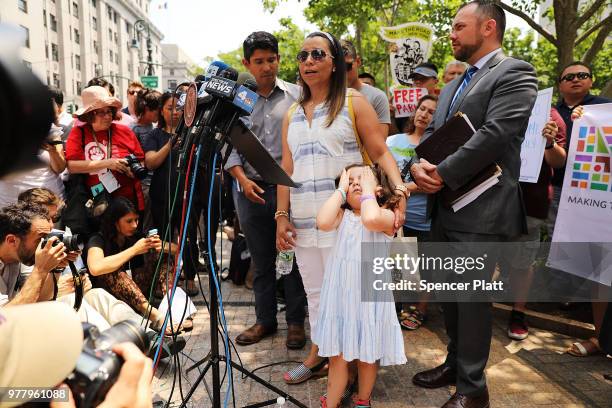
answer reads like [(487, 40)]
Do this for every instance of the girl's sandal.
[(414, 321), (158, 324), (357, 403), (301, 373)]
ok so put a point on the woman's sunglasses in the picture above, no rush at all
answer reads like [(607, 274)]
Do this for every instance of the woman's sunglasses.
[(580, 75), (316, 54)]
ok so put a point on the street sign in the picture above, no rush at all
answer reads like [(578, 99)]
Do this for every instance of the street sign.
[(149, 81)]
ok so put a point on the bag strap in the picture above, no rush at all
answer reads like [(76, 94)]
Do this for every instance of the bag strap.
[(351, 110), (292, 110)]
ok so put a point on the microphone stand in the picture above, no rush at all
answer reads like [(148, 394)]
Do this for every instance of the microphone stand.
[(214, 358)]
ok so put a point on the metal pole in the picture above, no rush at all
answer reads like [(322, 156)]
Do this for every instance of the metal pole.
[(150, 52)]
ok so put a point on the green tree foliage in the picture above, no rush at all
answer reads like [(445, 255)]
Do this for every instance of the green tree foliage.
[(588, 22)]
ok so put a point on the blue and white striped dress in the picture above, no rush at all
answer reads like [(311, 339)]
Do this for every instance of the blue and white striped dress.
[(365, 331), (319, 154)]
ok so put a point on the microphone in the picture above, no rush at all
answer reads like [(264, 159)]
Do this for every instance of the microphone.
[(246, 94), (215, 68)]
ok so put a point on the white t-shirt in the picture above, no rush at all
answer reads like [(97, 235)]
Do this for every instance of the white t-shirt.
[(9, 274), (14, 184)]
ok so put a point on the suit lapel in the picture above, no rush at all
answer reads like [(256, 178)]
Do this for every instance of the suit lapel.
[(481, 73)]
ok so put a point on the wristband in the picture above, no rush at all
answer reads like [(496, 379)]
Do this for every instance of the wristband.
[(280, 214), (366, 197), (343, 194), (547, 147)]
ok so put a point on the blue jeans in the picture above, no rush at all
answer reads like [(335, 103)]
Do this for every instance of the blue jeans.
[(257, 223)]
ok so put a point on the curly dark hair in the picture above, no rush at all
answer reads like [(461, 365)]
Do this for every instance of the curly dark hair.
[(147, 99)]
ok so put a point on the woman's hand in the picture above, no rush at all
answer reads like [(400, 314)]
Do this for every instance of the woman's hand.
[(143, 245), (118, 165), (549, 131), (155, 242), (285, 234)]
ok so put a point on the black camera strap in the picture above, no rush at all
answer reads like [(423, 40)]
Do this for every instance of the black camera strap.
[(78, 286)]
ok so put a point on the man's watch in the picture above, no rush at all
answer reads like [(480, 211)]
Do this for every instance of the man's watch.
[(550, 146)]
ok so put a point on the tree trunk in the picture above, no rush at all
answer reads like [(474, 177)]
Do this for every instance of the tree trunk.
[(566, 13), (606, 92)]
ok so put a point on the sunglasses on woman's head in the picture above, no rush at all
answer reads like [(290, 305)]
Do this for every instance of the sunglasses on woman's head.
[(580, 75), (317, 55)]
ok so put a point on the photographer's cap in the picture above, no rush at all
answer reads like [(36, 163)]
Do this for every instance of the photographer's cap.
[(39, 345), (423, 71)]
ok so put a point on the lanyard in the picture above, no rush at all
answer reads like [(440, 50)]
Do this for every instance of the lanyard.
[(109, 149)]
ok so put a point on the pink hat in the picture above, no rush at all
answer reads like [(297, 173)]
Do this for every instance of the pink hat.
[(96, 97)]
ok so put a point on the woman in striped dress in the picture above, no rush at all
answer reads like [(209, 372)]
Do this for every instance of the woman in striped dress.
[(327, 130)]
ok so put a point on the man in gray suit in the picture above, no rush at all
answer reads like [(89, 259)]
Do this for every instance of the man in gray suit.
[(497, 93)]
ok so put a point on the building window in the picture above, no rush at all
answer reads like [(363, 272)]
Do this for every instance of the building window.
[(56, 81), (115, 17), (78, 87), (47, 52), (54, 52), (77, 36), (23, 5), (109, 11), (94, 23), (171, 72), (77, 62), (116, 38), (172, 84), (93, 3), (95, 47), (128, 28), (75, 9), (110, 35), (110, 52), (26, 34), (44, 18), (116, 58), (53, 22)]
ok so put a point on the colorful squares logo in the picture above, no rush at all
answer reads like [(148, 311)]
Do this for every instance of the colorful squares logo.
[(592, 169)]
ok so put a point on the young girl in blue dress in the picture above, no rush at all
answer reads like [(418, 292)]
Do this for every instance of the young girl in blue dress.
[(348, 328)]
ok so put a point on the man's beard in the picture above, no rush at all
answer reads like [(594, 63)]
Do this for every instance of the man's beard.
[(26, 257), (466, 51)]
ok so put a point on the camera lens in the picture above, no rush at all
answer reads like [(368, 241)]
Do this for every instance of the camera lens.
[(138, 170), (122, 332)]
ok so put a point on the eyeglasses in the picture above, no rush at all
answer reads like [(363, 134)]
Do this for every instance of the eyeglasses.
[(316, 54), (104, 112), (580, 75)]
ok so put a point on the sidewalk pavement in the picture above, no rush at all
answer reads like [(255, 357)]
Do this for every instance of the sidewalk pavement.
[(533, 373)]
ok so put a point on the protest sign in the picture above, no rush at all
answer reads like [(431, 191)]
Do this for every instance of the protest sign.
[(585, 208), (532, 149), (405, 100), (410, 46)]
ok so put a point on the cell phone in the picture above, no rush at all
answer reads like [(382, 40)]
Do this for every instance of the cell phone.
[(151, 233)]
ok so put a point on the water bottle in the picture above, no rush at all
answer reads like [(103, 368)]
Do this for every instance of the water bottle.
[(280, 402), (284, 261)]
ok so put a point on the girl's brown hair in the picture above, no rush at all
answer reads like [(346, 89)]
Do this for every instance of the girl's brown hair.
[(387, 198), (337, 87)]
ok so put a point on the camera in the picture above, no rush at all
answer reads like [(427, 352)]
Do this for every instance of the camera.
[(137, 168), (71, 242), (98, 366)]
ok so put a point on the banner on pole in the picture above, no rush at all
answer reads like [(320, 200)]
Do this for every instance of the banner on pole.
[(410, 46), (532, 149), (585, 208)]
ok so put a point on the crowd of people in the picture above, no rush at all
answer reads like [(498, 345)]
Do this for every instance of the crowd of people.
[(109, 175)]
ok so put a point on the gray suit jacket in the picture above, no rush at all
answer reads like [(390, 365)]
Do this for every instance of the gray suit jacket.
[(498, 101)]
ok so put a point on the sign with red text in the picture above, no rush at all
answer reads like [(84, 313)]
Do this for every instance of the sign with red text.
[(405, 100)]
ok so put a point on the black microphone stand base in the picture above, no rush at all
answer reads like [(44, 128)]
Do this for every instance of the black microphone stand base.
[(213, 358)]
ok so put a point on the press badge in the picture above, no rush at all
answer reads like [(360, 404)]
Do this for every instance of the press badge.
[(109, 181)]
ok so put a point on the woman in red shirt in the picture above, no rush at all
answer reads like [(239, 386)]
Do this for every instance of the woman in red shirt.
[(99, 146)]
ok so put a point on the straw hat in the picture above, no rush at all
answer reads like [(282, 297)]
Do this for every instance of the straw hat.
[(40, 344), (96, 97)]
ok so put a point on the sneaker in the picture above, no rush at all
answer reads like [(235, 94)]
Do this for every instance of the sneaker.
[(517, 326)]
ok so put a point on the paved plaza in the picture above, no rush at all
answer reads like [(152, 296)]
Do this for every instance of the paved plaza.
[(534, 372)]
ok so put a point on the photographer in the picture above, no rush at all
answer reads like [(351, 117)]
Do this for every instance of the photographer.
[(22, 227), (52, 164), (99, 147), (119, 247)]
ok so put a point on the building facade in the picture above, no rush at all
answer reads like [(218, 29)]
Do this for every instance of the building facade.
[(176, 66), (68, 42)]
